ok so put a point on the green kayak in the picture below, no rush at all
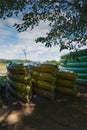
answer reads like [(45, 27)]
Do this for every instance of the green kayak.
[(75, 64), (77, 70), (78, 54), (82, 76), (78, 59), (82, 81)]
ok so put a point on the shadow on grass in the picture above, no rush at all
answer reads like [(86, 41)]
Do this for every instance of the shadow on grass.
[(3, 79)]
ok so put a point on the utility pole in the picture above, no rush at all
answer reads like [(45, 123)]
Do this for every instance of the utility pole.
[(25, 53)]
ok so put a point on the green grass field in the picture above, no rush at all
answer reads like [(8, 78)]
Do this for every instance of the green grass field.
[(3, 73), (3, 69)]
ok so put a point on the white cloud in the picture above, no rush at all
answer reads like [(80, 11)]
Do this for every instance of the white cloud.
[(4, 33), (38, 31), (3, 29), (1, 24), (12, 43), (12, 21), (8, 51), (34, 52)]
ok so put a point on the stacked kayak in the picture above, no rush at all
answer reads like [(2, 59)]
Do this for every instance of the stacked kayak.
[(43, 77), (77, 64), (66, 82), (19, 81)]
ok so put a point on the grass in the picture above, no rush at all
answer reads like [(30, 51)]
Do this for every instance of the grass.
[(3, 73), (3, 79), (3, 69)]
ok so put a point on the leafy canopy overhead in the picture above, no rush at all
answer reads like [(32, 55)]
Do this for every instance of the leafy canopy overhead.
[(67, 19)]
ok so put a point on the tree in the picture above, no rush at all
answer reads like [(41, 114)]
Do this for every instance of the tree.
[(67, 19)]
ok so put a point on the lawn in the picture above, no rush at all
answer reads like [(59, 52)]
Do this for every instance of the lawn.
[(3, 73), (3, 69)]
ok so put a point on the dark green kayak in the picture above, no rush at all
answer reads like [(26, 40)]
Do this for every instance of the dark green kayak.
[(82, 81), (78, 59), (82, 76), (83, 58), (75, 64), (79, 53), (82, 52), (77, 70)]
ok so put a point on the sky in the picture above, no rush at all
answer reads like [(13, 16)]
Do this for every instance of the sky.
[(13, 43)]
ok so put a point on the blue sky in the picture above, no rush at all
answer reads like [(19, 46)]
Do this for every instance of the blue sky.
[(12, 43)]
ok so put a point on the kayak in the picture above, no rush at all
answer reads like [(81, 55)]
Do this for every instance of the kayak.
[(75, 64), (78, 59), (77, 70), (82, 81), (83, 58), (82, 76), (78, 53)]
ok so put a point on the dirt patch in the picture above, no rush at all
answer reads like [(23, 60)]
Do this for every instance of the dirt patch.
[(42, 114), (64, 113)]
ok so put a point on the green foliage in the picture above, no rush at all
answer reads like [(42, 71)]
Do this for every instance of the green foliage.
[(53, 62), (67, 20), (4, 61)]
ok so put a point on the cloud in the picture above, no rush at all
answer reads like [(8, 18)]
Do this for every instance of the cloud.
[(12, 43), (12, 21), (9, 51), (1, 24), (3, 29), (38, 31)]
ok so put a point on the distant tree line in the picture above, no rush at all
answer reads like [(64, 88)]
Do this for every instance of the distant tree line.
[(54, 62), (6, 61), (12, 60)]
